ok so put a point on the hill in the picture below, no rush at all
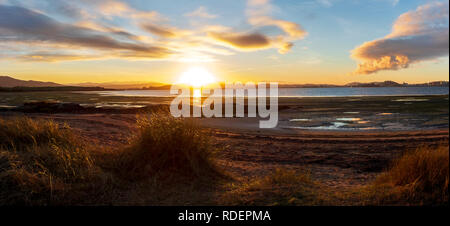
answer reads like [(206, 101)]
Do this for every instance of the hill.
[(9, 82), (124, 85)]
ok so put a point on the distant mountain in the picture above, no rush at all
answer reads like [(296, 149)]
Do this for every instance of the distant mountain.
[(308, 86), (395, 84), (52, 88), (368, 84), (6, 81), (374, 84), (123, 85)]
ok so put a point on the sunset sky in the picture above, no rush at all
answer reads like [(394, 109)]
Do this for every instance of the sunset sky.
[(287, 41)]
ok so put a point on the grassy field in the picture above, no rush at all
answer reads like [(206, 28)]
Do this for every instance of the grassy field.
[(172, 162)]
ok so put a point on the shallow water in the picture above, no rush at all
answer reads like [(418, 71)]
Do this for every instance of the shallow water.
[(300, 120), (348, 119), (310, 92)]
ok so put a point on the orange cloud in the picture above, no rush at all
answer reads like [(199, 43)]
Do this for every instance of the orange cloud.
[(159, 30), (55, 57), (96, 35), (28, 26), (242, 41), (416, 36), (383, 63), (119, 8), (258, 13)]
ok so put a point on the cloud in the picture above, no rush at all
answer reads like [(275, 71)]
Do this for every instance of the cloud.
[(293, 30), (416, 36), (158, 30), (259, 16), (258, 13), (22, 25), (108, 29), (94, 29), (115, 8), (55, 57), (242, 41), (66, 9), (201, 12), (119, 8)]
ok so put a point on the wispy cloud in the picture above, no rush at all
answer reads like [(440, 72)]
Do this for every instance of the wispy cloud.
[(201, 12), (118, 8), (159, 30), (416, 36), (55, 57), (51, 30), (242, 41), (22, 25), (259, 15)]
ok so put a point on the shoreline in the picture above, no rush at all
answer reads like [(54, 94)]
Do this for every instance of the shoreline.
[(351, 114)]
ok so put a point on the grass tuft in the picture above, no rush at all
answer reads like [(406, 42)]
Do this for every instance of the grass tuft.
[(419, 177), (42, 163), (165, 145), (282, 187)]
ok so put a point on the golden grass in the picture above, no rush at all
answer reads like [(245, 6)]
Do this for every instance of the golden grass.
[(167, 146), (42, 163), (281, 187), (419, 177)]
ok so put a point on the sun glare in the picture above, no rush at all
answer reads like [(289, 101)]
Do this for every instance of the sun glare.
[(196, 77), (197, 93)]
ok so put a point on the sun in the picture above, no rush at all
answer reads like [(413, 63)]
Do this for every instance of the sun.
[(196, 77)]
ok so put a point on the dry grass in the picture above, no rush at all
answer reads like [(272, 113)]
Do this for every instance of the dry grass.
[(42, 163), (166, 146), (419, 177), (282, 187)]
